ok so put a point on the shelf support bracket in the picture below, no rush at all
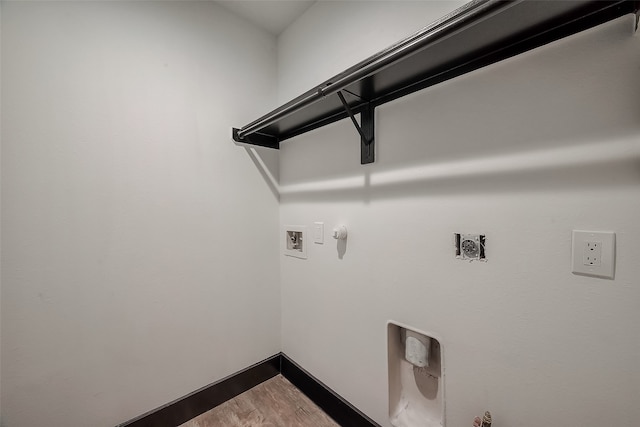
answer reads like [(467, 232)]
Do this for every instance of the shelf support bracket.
[(365, 129)]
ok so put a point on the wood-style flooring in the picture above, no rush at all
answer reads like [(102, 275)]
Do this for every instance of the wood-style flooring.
[(274, 403)]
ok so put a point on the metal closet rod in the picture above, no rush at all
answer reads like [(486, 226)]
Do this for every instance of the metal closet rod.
[(438, 30)]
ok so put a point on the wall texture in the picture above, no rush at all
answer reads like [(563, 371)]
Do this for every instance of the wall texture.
[(0, 213), (332, 36), (139, 257), (523, 151), (139, 245)]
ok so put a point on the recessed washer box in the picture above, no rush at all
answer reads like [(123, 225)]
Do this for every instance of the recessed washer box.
[(295, 240), (416, 385)]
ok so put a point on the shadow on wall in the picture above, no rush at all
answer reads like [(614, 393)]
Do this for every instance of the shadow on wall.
[(589, 166), (552, 118), (341, 247), (267, 163)]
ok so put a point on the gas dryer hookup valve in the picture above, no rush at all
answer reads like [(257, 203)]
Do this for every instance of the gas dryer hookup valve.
[(340, 232)]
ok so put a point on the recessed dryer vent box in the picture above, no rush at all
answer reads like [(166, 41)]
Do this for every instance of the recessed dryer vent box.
[(295, 240)]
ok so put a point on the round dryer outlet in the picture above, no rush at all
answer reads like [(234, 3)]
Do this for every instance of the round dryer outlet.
[(470, 248)]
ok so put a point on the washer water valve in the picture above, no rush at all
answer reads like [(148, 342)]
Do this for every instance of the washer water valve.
[(340, 232)]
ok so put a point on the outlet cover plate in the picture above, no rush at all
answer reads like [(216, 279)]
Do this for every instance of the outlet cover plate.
[(594, 253), (318, 232)]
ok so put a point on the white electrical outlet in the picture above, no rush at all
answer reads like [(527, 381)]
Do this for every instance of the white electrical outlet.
[(594, 253)]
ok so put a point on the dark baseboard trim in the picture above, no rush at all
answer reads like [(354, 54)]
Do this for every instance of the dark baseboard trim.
[(328, 400), (200, 401)]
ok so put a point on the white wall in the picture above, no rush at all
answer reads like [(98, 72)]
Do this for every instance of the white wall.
[(127, 214), (139, 244), (331, 36), (523, 151), (0, 213)]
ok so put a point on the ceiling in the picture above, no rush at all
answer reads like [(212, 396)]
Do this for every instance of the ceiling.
[(271, 15)]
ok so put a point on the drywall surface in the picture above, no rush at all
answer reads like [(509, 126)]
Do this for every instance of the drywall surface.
[(0, 212), (523, 151), (346, 32), (139, 251)]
